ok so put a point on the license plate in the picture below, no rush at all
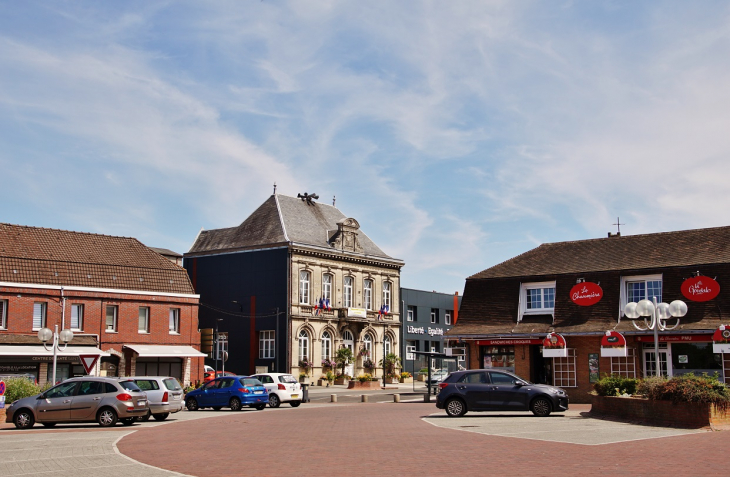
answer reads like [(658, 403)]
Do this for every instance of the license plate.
[(175, 398), (141, 403), (294, 396), (258, 392)]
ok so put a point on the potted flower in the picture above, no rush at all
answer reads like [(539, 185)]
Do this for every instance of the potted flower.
[(303, 378), (305, 366), (368, 365), (391, 365), (406, 377), (343, 357), (364, 352), (423, 374), (328, 364)]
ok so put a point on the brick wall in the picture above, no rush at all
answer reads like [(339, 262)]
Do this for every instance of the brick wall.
[(662, 413)]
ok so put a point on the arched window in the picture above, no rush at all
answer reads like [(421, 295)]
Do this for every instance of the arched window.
[(304, 287), (303, 345), (386, 346), (327, 287), (347, 292), (348, 340), (367, 294), (367, 343), (386, 296), (326, 345)]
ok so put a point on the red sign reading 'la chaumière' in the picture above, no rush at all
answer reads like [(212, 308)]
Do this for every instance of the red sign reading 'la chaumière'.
[(700, 288), (586, 294)]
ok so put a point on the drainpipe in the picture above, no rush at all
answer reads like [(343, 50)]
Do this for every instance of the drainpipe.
[(63, 310)]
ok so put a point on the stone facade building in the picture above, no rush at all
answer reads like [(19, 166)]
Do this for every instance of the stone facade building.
[(293, 283)]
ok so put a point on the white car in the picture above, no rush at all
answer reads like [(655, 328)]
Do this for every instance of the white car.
[(282, 387)]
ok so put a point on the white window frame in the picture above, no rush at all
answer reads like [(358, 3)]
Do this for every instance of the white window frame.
[(447, 317), (564, 371), (347, 289), (174, 321), (387, 345), (305, 280), (40, 309), (434, 315), (326, 345), (77, 315), (3, 314), (367, 294), (367, 343), (386, 296), (115, 318), (625, 280), (327, 280), (303, 345), (624, 366), (267, 344), (143, 327), (411, 313), (410, 351), (535, 311)]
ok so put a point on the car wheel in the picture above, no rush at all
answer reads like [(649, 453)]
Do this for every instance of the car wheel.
[(191, 404), (49, 424), (455, 407), (107, 417), (274, 400), (144, 418), (23, 419), (235, 404), (161, 417), (295, 403), (128, 421), (541, 407)]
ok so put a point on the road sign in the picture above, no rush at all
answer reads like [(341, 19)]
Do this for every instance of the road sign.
[(88, 360), (2, 388)]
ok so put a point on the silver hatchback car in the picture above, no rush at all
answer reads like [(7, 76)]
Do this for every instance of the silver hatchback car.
[(164, 394), (83, 399)]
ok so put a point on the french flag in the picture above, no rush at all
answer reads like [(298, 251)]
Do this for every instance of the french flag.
[(316, 309), (380, 312), (327, 304)]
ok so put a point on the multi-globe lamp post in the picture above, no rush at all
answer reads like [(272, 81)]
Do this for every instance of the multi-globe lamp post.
[(45, 335), (655, 318)]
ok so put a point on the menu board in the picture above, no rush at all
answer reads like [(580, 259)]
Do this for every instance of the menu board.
[(499, 357)]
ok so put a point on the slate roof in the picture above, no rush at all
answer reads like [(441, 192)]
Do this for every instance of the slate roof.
[(626, 252), (282, 220), (44, 256)]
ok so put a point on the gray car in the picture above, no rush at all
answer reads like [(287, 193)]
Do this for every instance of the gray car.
[(83, 399), (164, 394)]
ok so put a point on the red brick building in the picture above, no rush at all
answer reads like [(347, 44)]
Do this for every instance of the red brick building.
[(508, 310), (123, 302)]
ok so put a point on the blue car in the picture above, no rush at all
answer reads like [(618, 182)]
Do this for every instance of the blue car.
[(229, 391)]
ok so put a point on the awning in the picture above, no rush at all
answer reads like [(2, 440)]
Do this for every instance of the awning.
[(39, 350), (169, 351)]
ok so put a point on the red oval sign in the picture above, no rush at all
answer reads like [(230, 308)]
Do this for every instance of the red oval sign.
[(613, 339), (586, 294), (700, 288)]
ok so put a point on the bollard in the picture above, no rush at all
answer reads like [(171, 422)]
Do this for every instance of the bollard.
[(396, 397), (364, 398), (333, 397), (426, 397)]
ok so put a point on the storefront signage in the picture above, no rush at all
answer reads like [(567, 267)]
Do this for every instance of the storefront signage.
[(554, 346), (700, 288), (674, 338), (420, 330), (586, 294), (509, 342), (721, 340), (613, 344), (357, 313)]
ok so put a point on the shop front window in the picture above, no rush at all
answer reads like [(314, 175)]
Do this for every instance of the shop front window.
[(499, 357)]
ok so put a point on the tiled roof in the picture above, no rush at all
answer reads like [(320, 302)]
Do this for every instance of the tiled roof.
[(58, 257), (282, 220), (626, 252)]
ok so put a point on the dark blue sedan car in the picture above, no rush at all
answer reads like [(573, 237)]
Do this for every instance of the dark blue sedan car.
[(229, 391)]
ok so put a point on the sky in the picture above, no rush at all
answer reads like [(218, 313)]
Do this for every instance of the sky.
[(458, 134)]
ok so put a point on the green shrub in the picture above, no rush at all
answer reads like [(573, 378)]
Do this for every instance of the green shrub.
[(615, 385), (652, 388), (19, 388), (688, 388)]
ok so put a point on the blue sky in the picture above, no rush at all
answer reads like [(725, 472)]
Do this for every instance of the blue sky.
[(459, 134)]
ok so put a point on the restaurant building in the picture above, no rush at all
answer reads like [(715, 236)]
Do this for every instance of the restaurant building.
[(556, 314), (125, 304)]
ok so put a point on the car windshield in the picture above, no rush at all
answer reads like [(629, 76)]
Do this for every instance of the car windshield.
[(251, 382), (287, 378), (172, 384), (130, 386)]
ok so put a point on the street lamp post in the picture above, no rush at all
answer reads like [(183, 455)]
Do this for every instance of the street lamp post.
[(45, 335), (659, 314), (217, 345)]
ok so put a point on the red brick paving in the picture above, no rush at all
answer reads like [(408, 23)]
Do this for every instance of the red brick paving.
[(391, 439)]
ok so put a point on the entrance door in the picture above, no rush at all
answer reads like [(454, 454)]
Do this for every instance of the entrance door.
[(665, 362), (349, 342)]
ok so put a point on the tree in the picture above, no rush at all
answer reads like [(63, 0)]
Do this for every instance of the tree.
[(392, 364), (343, 357)]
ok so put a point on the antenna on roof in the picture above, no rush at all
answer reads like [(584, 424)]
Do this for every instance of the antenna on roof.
[(274, 188), (334, 199), (618, 224)]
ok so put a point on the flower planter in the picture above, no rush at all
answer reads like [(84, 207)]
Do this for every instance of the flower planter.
[(421, 377), (355, 384), (304, 380), (692, 415), (341, 381), (392, 380), (406, 380)]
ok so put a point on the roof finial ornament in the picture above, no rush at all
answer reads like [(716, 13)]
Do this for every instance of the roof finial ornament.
[(274, 187), (618, 224), (334, 199), (308, 198)]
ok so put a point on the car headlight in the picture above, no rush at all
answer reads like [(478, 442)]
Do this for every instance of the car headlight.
[(557, 391)]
